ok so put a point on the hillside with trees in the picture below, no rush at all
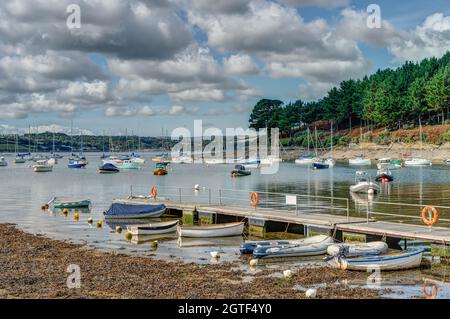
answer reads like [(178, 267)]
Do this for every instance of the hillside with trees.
[(392, 99)]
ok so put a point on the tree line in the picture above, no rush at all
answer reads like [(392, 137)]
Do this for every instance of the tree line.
[(391, 98)]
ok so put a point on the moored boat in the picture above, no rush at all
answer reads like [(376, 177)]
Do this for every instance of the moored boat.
[(311, 246), (239, 170), (3, 162), (363, 184), (249, 246), (359, 249), (320, 165), (78, 162), (251, 164), (108, 168), (384, 176), (360, 161), (153, 228), (418, 161), (388, 163), (160, 169), (305, 160), (19, 160), (122, 210), (128, 164), (61, 204), (401, 260), (42, 166), (214, 230)]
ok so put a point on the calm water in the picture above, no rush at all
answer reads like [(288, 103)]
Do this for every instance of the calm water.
[(23, 193)]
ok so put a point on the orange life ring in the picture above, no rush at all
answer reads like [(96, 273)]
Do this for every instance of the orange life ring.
[(254, 199), (154, 191), (430, 295), (425, 215)]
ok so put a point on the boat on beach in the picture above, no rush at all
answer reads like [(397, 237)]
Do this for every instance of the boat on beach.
[(363, 184), (359, 249), (153, 228), (214, 230), (311, 246), (122, 210), (400, 260)]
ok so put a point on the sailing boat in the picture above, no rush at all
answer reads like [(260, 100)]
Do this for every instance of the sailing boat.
[(419, 161), (306, 159), (360, 160), (330, 160), (53, 160), (318, 163), (20, 159), (77, 161)]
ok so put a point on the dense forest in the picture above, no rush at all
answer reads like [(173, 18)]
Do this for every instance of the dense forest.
[(390, 98)]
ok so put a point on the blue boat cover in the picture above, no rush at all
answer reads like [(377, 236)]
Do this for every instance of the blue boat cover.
[(122, 209), (108, 166)]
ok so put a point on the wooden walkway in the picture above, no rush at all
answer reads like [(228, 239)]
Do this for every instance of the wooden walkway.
[(439, 235)]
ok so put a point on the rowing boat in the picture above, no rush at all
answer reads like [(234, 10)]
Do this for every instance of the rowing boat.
[(360, 249), (119, 210), (400, 260), (249, 246), (153, 228), (311, 246), (61, 204), (215, 230)]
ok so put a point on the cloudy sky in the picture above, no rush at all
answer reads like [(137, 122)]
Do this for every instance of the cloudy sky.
[(144, 65)]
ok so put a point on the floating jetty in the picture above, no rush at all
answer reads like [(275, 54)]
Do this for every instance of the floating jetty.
[(301, 214)]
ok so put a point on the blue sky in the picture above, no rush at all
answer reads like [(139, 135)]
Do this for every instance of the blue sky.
[(147, 66)]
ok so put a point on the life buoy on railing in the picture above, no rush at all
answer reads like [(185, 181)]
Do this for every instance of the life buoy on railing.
[(254, 199), (432, 294), (425, 215), (154, 192)]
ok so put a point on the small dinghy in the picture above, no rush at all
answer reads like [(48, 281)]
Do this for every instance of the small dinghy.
[(354, 250), (61, 204), (108, 168), (120, 210), (239, 170), (311, 246), (215, 230), (363, 184), (153, 228), (401, 260), (249, 246)]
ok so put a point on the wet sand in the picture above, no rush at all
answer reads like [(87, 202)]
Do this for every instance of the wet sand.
[(36, 267)]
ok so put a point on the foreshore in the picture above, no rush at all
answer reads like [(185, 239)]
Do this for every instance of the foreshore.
[(436, 153), (34, 266)]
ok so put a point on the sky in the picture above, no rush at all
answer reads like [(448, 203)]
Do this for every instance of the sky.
[(147, 66)]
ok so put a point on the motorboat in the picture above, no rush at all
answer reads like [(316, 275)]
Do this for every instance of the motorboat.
[(363, 184), (240, 170), (418, 161), (42, 166), (384, 175), (251, 163), (3, 162), (388, 163), (108, 168), (320, 165), (306, 160)]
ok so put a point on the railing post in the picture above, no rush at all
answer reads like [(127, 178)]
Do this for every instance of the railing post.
[(209, 195), (220, 197), (179, 194), (131, 191)]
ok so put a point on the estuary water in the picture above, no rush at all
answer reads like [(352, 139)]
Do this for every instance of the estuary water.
[(23, 192)]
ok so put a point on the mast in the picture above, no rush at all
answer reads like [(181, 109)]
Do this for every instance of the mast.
[(332, 122), (29, 138), (316, 142), (307, 137), (53, 149)]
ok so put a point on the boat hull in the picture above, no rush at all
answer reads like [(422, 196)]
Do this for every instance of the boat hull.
[(72, 204), (153, 228), (353, 250), (120, 210), (364, 187), (387, 262), (321, 165), (312, 246), (217, 230)]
